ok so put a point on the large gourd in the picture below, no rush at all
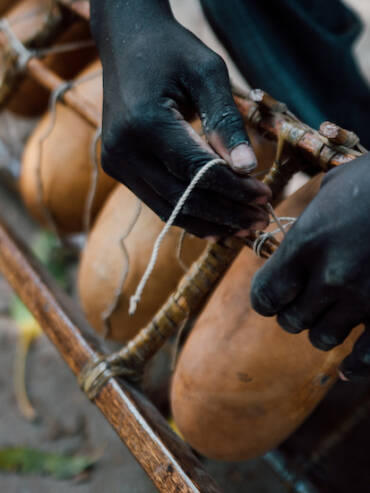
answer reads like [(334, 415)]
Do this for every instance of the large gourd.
[(103, 264), (242, 384), (66, 164)]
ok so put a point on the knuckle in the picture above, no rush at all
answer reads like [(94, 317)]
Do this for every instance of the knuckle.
[(261, 299), (323, 340), (139, 118), (329, 339), (293, 319), (214, 65), (227, 117)]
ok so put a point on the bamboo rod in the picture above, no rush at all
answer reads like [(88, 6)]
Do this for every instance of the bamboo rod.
[(165, 458), (12, 51), (188, 299), (48, 79)]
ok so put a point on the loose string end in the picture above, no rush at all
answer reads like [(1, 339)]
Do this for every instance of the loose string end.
[(134, 300)]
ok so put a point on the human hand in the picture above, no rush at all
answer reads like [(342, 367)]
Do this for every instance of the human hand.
[(155, 71), (319, 278)]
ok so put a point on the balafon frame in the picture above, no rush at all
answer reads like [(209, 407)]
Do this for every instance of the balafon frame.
[(165, 457)]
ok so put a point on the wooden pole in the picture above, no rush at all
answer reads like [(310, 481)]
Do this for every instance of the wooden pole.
[(51, 81), (167, 460)]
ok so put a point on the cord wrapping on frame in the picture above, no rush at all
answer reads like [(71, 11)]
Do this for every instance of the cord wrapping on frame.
[(24, 54), (260, 241)]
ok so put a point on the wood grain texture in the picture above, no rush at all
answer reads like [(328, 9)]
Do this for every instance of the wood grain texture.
[(51, 81), (166, 459)]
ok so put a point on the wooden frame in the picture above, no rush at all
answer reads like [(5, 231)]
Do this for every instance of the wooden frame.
[(165, 457)]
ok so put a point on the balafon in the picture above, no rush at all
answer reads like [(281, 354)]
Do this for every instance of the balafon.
[(66, 167)]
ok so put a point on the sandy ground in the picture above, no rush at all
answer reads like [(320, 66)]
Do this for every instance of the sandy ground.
[(67, 420)]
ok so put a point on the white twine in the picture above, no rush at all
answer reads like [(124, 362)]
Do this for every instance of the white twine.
[(135, 299), (106, 315), (91, 194), (180, 245), (23, 53), (261, 239), (257, 247)]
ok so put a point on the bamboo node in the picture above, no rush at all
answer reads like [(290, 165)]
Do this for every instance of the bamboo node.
[(266, 102), (338, 135)]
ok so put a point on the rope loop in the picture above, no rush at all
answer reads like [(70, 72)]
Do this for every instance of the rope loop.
[(23, 53), (97, 373)]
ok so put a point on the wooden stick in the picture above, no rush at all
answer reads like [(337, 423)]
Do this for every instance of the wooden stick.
[(300, 139), (48, 79), (338, 135), (166, 459), (13, 72)]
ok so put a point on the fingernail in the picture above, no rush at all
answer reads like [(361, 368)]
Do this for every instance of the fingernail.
[(243, 159), (212, 239), (343, 377), (244, 233)]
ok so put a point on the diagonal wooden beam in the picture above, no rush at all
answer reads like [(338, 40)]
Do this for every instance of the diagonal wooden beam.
[(167, 460)]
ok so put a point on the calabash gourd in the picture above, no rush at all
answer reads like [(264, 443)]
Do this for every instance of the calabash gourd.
[(66, 164), (103, 263), (242, 384)]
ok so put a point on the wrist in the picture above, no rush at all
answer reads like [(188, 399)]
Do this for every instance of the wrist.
[(127, 18)]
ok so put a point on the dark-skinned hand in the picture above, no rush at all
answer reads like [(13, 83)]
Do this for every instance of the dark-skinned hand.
[(155, 72), (319, 279)]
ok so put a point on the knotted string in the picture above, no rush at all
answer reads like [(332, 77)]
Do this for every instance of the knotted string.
[(257, 247), (25, 54), (260, 241)]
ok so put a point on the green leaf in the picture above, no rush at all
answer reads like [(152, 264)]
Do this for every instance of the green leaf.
[(52, 255), (19, 312), (25, 460)]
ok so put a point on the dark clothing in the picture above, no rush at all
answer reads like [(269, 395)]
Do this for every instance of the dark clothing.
[(299, 51)]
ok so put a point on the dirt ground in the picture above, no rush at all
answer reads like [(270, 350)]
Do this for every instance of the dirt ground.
[(68, 422)]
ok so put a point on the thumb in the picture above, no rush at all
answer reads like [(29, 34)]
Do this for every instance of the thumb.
[(278, 282), (222, 122)]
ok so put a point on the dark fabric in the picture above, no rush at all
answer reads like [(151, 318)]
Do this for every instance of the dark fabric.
[(300, 51)]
